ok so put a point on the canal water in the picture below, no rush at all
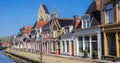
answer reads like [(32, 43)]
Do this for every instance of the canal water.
[(5, 59)]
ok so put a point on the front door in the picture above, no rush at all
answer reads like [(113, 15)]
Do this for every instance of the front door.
[(111, 44), (72, 48)]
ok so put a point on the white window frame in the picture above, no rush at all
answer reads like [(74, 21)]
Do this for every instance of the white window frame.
[(55, 34), (81, 44), (88, 45), (54, 45), (86, 22), (67, 44), (93, 41), (63, 43), (67, 30)]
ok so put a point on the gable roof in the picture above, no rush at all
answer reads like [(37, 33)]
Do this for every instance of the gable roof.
[(64, 21), (27, 29), (39, 24)]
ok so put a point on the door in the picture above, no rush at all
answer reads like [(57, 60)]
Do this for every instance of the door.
[(111, 44), (72, 48)]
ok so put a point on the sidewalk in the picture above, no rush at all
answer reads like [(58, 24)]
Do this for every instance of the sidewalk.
[(85, 59), (88, 60), (51, 58)]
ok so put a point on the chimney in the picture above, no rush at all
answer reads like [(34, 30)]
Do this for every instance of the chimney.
[(75, 17), (97, 2)]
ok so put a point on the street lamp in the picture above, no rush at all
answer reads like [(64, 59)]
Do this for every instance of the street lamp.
[(40, 47)]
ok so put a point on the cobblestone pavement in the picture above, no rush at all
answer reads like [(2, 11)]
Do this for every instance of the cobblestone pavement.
[(50, 58)]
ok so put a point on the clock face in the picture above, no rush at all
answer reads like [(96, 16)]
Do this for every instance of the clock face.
[(54, 27)]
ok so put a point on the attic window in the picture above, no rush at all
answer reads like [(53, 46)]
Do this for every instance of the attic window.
[(86, 21)]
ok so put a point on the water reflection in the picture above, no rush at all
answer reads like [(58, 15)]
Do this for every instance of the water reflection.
[(5, 59)]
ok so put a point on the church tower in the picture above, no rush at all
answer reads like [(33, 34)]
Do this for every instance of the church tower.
[(43, 13)]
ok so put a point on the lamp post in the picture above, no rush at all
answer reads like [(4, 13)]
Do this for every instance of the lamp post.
[(40, 47)]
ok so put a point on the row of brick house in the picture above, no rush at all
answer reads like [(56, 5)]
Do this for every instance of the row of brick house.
[(97, 30)]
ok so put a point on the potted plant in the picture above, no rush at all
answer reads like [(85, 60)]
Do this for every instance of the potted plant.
[(115, 59), (85, 53), (94, 54)]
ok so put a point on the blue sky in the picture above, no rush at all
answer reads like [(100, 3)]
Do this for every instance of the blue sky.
[(14, 14)]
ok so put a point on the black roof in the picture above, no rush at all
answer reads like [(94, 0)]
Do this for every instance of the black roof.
[(45, 8), (65, 22), (46, 26)]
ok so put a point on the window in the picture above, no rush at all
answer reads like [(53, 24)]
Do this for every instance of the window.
[(94, 38), (54, 34), (80, 39), (67, 30), (53, 46), (94, 42), (54, 28), (63, 46), (119, 10), (67, 46), (109, 13), (86, 21), (38, 30), (87, 45)]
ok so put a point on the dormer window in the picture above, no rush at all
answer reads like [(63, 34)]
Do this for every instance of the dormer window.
[(109, 13), (86, 21), (67, 30)]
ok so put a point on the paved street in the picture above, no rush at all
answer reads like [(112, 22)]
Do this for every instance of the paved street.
[(50, 58)]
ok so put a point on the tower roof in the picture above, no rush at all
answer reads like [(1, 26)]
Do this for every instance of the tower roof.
[(44, 8)]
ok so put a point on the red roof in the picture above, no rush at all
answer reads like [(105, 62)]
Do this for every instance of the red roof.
[(77, 23), (27, 29), (40, 24), (5, 43)]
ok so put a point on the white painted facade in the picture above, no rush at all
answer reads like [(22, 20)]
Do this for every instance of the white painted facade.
[(88, 32), (65, 48)]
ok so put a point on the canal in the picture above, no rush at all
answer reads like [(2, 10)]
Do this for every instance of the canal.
[(5, 59)]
